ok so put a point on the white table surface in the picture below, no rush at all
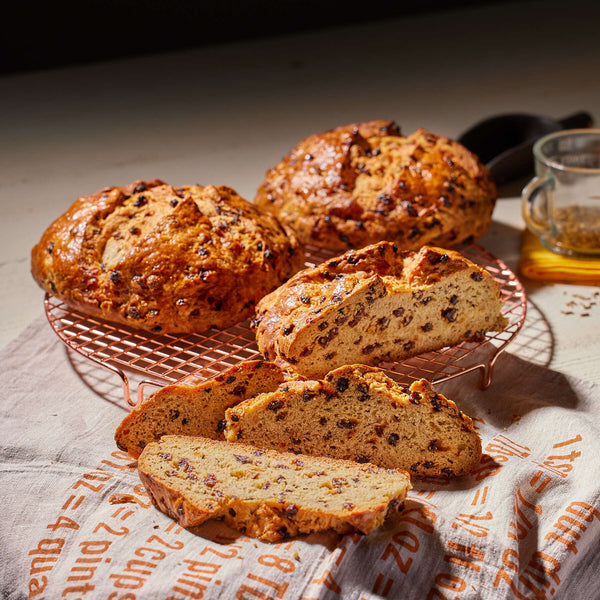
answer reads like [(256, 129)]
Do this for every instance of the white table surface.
[(225, 114)]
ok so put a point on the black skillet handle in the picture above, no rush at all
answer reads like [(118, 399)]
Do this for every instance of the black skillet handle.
[(505, 142), (579, 120)]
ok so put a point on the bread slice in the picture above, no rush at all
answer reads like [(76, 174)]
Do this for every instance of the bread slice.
[(359, 413), (376, 304), (267, 494), (189, 408)]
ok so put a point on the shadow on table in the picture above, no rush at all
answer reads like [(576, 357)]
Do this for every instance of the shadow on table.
[(535, 342), (519, 387)]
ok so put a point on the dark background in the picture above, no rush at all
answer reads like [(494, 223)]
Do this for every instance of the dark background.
[(39, 34)]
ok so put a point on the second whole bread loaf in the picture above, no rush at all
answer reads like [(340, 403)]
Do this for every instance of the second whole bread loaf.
[(361, 183)]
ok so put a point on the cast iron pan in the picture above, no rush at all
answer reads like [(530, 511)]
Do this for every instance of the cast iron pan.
[(504, 143)]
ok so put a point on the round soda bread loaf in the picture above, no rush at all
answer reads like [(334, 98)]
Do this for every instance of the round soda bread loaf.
[(358, 413), (197, 409), (376, 304), (165, 259), (267, 494), (359, 184)]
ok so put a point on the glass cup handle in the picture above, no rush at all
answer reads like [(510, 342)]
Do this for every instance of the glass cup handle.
[(535, 204)]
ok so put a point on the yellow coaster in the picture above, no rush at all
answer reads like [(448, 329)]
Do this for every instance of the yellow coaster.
[(537, 262)]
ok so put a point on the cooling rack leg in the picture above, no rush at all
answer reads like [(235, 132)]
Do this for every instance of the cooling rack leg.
[(485, 376), (141, 387), (126, 392)]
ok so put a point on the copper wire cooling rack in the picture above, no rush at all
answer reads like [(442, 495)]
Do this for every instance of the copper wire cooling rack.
[(163, 359)]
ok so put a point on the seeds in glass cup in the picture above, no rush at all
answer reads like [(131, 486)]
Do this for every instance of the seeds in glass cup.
[(578, 227)]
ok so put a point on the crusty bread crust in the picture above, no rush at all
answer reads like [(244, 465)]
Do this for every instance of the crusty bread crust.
[(165, 259), (266, 494), (362, 183), (376, 304), (358, 413), (196, 409)]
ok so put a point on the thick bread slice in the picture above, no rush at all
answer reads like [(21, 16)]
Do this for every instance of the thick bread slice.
[(188, 408), (376, 304), (266, 494), (359, 413)]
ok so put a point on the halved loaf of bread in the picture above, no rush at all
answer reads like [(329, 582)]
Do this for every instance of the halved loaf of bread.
[(266, 494), (359, 413), (376, 304), (189, 408)]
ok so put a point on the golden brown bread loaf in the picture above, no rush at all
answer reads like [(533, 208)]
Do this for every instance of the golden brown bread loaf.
[(376, 304), (266, 494), (163, 258), (362, 183), (358, 413), (197, 409)]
